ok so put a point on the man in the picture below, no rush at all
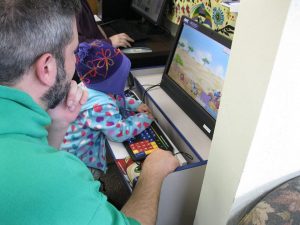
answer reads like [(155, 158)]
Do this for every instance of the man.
[(39, 184)]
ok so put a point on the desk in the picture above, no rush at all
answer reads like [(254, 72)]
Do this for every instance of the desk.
[(159, 43), (180, 191)]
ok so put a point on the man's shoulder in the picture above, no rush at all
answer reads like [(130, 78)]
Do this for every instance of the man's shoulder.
[(42, 185), (55, 184)]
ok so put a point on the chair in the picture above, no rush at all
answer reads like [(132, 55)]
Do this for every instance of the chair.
[(280, 206)]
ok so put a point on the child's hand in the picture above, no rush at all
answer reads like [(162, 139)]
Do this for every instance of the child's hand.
[(143, 108)]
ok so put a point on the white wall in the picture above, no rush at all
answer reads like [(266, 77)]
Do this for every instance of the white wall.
[(258, 112), (276, 140)]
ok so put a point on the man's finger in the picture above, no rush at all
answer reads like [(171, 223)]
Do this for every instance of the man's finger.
[(72, 94), (84, 97)]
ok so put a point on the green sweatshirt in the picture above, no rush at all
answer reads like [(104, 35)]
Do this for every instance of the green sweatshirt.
[(40, 185)]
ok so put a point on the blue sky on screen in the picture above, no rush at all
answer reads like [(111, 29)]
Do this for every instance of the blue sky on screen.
[(205, 47)]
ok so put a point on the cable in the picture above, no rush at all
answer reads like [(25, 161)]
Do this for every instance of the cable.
[(136, 88), (187, 155), (147, 89), (130, 81)]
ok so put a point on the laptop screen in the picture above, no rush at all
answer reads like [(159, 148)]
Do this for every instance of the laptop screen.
[(151, 10), (195, 72)]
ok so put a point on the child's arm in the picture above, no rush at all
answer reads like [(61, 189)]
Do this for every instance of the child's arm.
[(108, 119)]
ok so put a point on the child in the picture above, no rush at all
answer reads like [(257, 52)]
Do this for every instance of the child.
[(103, 70)]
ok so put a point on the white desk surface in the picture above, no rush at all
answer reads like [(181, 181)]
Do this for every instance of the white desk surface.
[(118, 149), (193, 134)]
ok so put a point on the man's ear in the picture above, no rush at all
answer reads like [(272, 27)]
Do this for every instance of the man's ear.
[(46, 69)]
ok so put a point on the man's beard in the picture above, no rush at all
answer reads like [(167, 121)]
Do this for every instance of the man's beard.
[(59, 90)]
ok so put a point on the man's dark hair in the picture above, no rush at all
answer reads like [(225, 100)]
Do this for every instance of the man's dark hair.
[(30, 28)]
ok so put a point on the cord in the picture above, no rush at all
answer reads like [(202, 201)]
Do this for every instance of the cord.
[(130, 81), (186, 155), (136, 88), (147, 89)]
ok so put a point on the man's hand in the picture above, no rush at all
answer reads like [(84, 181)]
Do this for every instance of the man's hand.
[(121, 40), (159, 164), (143, 108), (65, 113), (143, 203)]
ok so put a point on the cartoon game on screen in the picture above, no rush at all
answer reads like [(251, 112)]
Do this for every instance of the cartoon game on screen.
[(200, 69)]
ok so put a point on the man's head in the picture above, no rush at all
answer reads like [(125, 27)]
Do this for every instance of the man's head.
[(38, 39), (102, 67)]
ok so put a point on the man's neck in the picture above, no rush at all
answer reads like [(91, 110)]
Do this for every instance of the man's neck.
[(32, 88)]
